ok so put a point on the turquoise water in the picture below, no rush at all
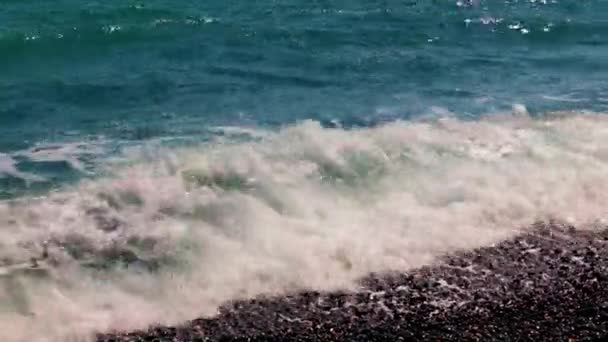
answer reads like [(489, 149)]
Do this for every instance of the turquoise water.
[(128, 71), (158, 158)]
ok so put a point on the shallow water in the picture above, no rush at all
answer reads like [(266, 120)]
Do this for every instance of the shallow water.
[(159, 158)]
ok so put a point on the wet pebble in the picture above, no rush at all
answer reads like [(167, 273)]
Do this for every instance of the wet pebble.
[(547, 294)]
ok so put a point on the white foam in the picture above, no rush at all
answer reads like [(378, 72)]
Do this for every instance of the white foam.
[(8, 166), (305, 207), (563, 98), (69, 152)]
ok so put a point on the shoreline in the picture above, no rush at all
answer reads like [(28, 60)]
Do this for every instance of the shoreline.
[(549, 284)]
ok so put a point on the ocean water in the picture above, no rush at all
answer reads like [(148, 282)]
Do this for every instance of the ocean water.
[(159, 158)]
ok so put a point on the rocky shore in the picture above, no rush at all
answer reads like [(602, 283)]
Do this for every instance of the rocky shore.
[(547, 285)]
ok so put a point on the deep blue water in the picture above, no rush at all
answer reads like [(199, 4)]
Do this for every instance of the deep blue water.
[(125, 72)]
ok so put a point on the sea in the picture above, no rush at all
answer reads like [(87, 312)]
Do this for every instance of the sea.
[(159, 158)]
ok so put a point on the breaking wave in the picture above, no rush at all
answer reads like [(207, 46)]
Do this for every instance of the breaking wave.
[(174, 233)]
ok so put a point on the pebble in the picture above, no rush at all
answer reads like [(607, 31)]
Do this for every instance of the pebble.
[(549, 295)]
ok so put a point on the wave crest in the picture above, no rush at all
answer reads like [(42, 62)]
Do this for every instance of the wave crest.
[(175, 234)]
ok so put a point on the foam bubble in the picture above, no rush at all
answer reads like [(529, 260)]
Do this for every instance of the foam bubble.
[(176, 234)]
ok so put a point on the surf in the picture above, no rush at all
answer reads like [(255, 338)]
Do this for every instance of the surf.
[(172, 234)]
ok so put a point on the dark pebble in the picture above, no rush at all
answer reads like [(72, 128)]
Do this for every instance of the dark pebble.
[(514, 296)]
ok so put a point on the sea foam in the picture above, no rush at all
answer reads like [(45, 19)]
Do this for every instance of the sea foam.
[(177, 232)]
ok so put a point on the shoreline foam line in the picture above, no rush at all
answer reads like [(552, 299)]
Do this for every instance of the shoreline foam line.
[(176, 234), (546, 285)]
